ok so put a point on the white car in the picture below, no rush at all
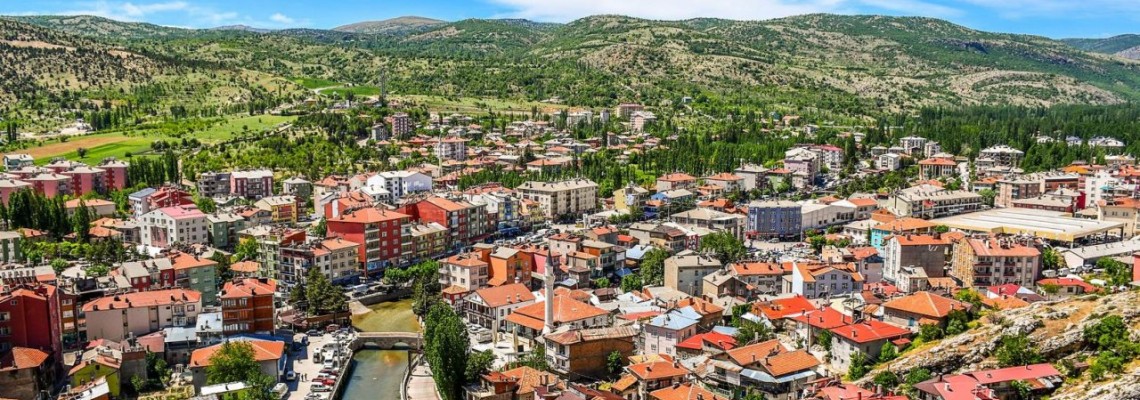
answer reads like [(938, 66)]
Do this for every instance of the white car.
[(319, 388), (291, 376), (281, 389)]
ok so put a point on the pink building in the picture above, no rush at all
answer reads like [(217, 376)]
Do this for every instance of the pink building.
[(252, 184), (10, 186), (115, 176), (51, 184), (85, 179), (60, 165)]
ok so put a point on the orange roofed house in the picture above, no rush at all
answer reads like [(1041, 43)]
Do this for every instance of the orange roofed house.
[(247, 306), (867, 337), (766, 365), (568, 312), (269, 354), (920, 308), (489, 307)]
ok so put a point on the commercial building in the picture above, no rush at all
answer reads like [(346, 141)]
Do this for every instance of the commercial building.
[(774, 219), (927, 201)]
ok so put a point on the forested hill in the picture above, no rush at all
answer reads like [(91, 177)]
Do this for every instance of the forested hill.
[(1127, 46), (851, 64)]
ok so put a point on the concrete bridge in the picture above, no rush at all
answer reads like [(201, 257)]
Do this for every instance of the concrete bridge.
[(411, 341)]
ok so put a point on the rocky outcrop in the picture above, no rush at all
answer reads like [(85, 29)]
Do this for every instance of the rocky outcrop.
[(1056, 327)]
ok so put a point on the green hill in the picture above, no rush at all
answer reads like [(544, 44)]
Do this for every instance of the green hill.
[(845, 63), (1127, 46)]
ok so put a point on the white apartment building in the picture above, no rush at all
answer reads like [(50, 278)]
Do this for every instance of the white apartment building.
[(166, 226), (400, 183), (557, 199), (117, 317)]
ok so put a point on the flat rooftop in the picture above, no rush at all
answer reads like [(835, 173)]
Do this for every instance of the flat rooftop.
[(1050, 225)]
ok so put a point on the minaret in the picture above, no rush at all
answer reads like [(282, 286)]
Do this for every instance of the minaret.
[(548, 284)]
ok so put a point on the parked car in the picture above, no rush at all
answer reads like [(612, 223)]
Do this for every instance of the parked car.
[(291, 376), (281, 390), (313, 332), (320, 387)]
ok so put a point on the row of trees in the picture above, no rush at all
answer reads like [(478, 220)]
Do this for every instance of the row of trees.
[(30, 209)]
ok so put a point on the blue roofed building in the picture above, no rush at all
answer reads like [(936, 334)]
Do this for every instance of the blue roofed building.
[(662, 333)]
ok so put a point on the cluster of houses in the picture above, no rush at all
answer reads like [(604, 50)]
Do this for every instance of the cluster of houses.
[(889, 263)]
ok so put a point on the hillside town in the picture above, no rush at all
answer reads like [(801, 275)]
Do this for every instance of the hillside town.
[(759, 282)]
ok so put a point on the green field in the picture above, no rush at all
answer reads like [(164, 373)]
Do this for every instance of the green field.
[(476, 105), (314, 83), (138, 141), (356, 90)]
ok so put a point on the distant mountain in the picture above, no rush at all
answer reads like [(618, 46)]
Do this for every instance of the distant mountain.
[(843, 62), (241, 28), (1127, 46), (394, 25), (87, 25)]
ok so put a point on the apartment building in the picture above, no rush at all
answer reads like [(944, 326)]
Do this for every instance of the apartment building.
[(166, 226), (563, 198), (401, 124), (685, 272), (991, 261), (213, 184), (247, 306), (377, 230), (927, 201), (400, 183), (935, 168), (774, 219), (450, 148), (466, 271), (335, 258), (251, 184), (117, 317)]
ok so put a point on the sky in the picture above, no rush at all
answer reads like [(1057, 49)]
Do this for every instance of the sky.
[(1051, 18)]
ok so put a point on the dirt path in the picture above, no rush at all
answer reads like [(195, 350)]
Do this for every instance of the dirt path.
[(72, 144)]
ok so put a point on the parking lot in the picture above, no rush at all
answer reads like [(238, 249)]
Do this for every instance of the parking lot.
[(306, 368)]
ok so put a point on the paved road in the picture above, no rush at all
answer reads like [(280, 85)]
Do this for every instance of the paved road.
[(421, 386)]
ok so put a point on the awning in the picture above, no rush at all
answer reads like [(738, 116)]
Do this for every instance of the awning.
[(621, 273), (761, 376)]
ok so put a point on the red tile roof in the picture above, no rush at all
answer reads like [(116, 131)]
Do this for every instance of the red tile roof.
[(22, 358), (780, 308), (1035, 371), (248, 287), (369, 215), (926, 304), (755, 353), (657, 370), (992, 247), (686, 391), (826, 318), (263, 350), (790, 362), (869, 331), (714, 339), (1068, 282), (499, 296), (143, 299), (905, 224), (756, 268)]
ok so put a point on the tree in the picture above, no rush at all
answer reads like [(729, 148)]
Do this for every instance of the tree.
[(425, 293), (1119, 273), (446, 350), (235, 362), (82, 152), (941, 228), (727, 247), (478, 363), (858, 367), (321, 229), (969, 296), (887, 380), (535, 359), (59, 264), (929, 332), (752, 332), (206, 204), (824, 339), (630, 283), (321, 296), (1016, 350), (888, 352), (602, 282), (1021, 390), (246, 249), (653, 267), (988, 196), (82, 223), (1051, 259), (614, 362)]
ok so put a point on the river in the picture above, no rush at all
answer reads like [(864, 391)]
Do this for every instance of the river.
[(378, 374)]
